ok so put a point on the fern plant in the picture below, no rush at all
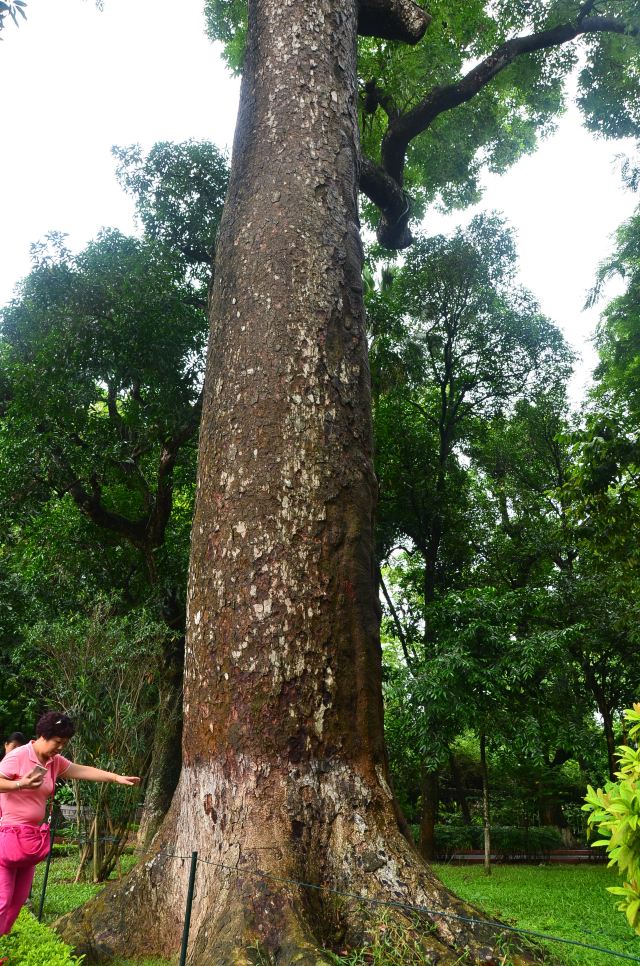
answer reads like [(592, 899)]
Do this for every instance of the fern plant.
[(615, 814)]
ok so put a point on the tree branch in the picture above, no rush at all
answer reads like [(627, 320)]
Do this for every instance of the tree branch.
[(91, 505), (383, 183), (392, 20), (442, 99), (392, 201), (396, 620)]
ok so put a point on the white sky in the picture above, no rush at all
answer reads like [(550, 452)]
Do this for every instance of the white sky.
[(75, 81)]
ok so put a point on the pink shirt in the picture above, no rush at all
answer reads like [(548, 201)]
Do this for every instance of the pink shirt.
[(28, 805)]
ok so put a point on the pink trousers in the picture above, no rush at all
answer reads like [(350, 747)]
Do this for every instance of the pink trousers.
[(15, 883)]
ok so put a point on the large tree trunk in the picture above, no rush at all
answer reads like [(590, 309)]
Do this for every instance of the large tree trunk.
[(284, 767)]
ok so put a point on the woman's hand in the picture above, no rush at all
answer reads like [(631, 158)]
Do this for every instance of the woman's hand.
[(32, 780), (127, 780)]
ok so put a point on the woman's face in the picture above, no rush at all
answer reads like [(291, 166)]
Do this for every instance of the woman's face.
[(48, 747), (10, 745)]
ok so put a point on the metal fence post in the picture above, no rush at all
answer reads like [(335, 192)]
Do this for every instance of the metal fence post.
[(187, 915), (46, 876)]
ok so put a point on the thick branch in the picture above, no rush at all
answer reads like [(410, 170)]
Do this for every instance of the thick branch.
[(147, 532), (383, 184), (392, 20), (393, 202), (442, 99), (91, 504)]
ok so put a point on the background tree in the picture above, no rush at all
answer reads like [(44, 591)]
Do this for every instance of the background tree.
[(456, 345), (102, 359)]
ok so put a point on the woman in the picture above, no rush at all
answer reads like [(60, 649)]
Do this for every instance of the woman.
[(14, 740), (28, 776)]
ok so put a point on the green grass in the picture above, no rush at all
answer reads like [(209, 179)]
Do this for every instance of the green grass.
[(570, 902), (63, 896)]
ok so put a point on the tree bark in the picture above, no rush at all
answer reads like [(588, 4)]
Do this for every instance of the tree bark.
[(284, 766)]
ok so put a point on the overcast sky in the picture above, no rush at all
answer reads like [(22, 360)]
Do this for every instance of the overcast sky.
[(75, 81)]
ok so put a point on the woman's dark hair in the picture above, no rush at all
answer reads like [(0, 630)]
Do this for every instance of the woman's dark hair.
[(55, 725), (17, 737)]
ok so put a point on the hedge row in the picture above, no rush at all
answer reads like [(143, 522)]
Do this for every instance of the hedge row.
[(30, 943), (505, 839)]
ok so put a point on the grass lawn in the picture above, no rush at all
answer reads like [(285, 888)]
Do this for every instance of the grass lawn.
[(568, 901), (63, 896)]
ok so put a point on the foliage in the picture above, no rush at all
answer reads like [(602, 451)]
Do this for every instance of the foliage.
[(31, 944), (615, 813), (498, 121), (101, 363), (604, 487), (506, 841), (87, 670), (10, 8), (179, 190)]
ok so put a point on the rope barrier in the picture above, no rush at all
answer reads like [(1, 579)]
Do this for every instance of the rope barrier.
[(194, 858)]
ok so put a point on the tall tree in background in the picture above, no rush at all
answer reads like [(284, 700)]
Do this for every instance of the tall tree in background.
[(283, 757), (466, 343), (100, 401)]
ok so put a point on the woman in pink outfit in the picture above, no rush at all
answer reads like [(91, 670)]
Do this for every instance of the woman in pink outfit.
[(28, 777)]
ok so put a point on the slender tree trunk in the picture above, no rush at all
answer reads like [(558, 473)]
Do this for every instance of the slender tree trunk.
[(430, 795), (284, 768), (486, 815), (166, 752), (599, 693), (461, 792), (610, 738)]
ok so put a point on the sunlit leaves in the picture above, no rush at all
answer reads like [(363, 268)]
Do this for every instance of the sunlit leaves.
[(614, 814)]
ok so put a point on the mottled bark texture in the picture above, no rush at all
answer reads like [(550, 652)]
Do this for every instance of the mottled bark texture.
[(284, 767)]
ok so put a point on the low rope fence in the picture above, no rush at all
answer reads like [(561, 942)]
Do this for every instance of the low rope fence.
[(419, 910)]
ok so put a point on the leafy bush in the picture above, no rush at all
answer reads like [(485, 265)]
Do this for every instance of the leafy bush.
[(63, 849), (30, 943), (506, 840), (615, 813)]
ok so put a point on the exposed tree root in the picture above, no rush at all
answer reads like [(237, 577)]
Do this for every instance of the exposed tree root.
[(242, 918)]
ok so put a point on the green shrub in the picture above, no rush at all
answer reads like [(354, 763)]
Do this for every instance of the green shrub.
[(615, 813), (30, 943), (506, 840), (63, 849)]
